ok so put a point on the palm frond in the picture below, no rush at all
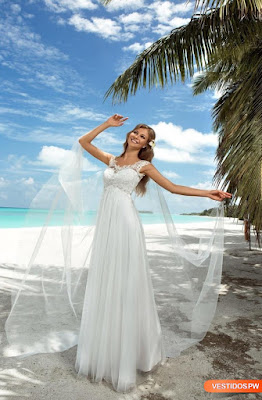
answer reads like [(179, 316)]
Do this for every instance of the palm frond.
[(242, 6), (223, 67), (172, 57), (106, 2)]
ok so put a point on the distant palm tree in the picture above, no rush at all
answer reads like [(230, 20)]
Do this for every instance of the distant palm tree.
[(225, 43)]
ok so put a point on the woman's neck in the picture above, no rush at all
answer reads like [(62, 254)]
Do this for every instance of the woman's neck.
[(131, 155)]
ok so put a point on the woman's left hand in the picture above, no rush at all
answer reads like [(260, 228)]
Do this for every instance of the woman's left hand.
[(218, 195)]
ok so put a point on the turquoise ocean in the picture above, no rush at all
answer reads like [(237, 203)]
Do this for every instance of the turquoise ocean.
[(16, 218)]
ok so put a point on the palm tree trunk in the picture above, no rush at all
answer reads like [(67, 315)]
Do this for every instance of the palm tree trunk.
[(247, 231)]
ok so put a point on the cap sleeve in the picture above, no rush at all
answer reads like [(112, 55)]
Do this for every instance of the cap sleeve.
[(141, 164)]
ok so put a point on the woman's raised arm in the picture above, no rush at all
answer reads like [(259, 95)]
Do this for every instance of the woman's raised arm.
[(165, 183), (85, 140)]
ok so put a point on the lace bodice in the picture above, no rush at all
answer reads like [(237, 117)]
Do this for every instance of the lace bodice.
[(125, 177)]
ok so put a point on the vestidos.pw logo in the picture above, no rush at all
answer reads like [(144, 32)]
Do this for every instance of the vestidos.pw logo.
[(233, 385)]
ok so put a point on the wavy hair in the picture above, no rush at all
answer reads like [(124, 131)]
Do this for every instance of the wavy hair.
[(144, 154)]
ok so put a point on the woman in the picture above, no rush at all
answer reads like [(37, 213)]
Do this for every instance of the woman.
[(112, 345), (90, 284)]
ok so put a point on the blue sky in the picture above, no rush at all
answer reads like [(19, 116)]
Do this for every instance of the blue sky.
[(58, 58)]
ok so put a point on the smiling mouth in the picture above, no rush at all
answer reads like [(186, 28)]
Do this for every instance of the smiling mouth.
[(134, 141)]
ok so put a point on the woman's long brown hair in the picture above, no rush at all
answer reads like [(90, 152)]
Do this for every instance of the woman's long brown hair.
[(144, 154)]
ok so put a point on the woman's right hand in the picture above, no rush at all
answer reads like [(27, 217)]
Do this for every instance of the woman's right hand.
[(116, 120)]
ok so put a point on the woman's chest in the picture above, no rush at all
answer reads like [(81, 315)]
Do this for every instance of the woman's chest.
[(121, 176)]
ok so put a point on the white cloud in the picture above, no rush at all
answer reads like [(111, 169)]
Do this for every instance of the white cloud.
[(70, 5), (189, 139), (15, 8), (53, 156), (52, 80), (58, 77), (27, 15), (201, 106), (49, 159), (18, 192), (115, 5), (137, 47), (63, 114), (135, 18), (61, 21), (18, 38), (54, 136), (162, 29), (9, 110), (16, 162), (165, 10), (105, 27), (176, 22), (183, 8), (42, 135), (204, 185), (68, 113), (11, 87), (173, 155), (170, 174), (184, 146), (165, 15), (34, 101), (173, 98), (37, 63)]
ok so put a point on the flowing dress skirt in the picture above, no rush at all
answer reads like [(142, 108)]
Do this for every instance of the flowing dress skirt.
[(120, 330)]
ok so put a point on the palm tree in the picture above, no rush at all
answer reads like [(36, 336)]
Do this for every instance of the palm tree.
[(238, 120), (225, 43)]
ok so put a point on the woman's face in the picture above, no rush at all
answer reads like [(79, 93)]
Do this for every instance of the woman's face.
[(138, 138)]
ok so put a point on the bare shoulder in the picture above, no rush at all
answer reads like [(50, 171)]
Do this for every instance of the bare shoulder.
[(109, 157), (106, 157)]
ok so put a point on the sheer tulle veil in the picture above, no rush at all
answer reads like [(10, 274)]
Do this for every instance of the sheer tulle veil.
[(53, 260)]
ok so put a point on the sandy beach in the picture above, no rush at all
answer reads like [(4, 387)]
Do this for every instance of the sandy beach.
[(230, 350)]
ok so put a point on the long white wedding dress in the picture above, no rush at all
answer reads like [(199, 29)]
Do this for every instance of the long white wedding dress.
[(120, 330), (88, 283)]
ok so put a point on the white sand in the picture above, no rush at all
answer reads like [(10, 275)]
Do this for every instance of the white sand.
[(230, 350)]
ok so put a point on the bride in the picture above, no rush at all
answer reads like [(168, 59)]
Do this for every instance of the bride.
[(90, 284), (120, 330)]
